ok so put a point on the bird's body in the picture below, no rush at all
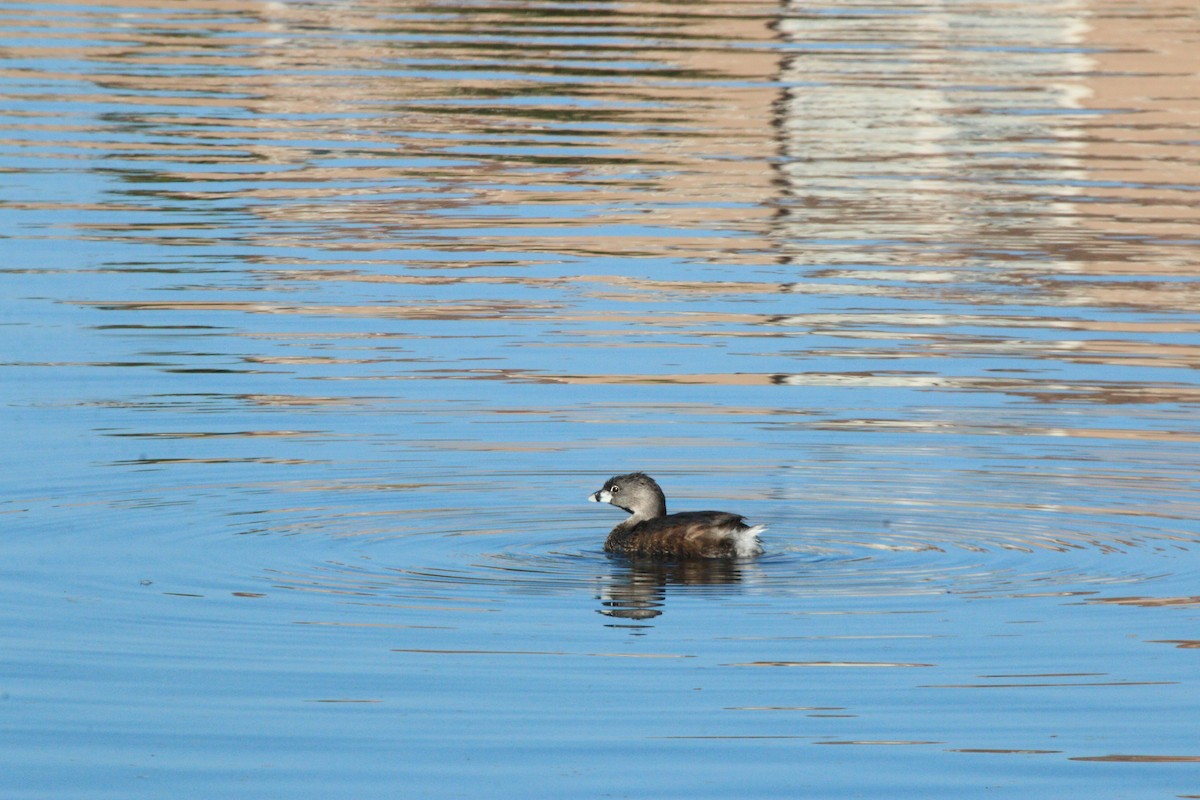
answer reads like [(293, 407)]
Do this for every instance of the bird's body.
[(651, 531)]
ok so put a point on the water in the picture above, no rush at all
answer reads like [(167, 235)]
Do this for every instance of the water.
[(322, 319)]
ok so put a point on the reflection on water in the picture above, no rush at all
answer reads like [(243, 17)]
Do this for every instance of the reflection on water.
[(637, 588), (321, 317)]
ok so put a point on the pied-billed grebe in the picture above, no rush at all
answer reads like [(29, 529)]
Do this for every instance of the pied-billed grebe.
[(651, 531)]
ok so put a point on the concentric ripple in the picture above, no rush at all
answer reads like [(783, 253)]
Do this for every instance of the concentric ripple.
[(531, 557)]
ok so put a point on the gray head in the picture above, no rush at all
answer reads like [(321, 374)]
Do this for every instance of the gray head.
[(636, 492)]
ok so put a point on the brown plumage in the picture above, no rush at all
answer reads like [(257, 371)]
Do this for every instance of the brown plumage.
[(651, 531)]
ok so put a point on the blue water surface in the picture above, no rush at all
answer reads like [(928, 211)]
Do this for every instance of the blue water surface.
[(322, 319)]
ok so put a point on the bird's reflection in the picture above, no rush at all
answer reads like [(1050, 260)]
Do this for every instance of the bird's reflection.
[(637, 588)]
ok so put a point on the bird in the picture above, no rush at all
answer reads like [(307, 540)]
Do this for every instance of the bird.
[(651, 531)]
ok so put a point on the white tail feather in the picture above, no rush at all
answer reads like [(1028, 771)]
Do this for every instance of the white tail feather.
[(745, 541)]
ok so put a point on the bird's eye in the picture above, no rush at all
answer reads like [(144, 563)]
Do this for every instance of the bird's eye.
[(614, 488)]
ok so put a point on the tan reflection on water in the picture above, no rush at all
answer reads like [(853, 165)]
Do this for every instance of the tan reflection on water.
[(985, 158), (1148, 602), (646, 145), (943, 157)]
